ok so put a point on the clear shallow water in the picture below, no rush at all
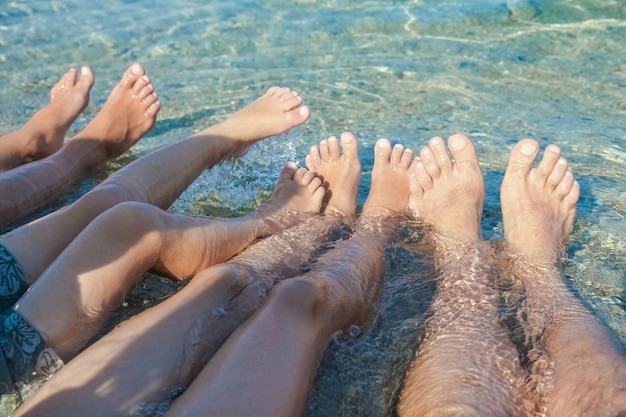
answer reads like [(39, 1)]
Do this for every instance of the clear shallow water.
[(407, 70)]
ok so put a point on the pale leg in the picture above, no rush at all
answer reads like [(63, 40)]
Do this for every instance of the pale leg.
[(577, 366), (467, 365)]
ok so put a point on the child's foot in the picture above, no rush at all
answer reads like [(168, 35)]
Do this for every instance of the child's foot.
[(297, 192), (538, 204), (68, 98), (340, 171), (128, 114), (389, 191), (449, 192), (274, 113)]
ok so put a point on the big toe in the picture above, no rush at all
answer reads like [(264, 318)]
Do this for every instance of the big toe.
[(382, 151), (522, 157), (86, 79), (463, 151), (132, 74), (299, 115), (349, 146)]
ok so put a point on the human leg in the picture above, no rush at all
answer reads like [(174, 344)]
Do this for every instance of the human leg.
[(157, 178), (466, 365), (577, 366), (166, 346), (270, 361), (75, 295), (44, 133), (128, 114)]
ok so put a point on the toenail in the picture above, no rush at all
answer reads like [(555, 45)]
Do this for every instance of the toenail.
[(84, 70), (457, 143), (136, 68), (303, 110), (528, 149)]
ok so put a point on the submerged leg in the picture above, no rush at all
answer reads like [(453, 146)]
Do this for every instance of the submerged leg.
[(267, 367), (577, 366), (157, 178), (466, 366), (147, 359)]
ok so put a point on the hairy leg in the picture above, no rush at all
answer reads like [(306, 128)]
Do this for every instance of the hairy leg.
[(129, 113), (157, 178), (466, 366), (44, 133), (577, 366), (267, 367), (164, 347)]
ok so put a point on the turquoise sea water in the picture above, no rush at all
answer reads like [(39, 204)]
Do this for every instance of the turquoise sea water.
[(407, 70)]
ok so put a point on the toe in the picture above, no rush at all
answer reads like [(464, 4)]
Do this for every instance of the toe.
[(382, 151), (463, 151), (132, 74), (407, 159), (324, 150), (333, 148), (429, 163), (558, 173), (349, 146), (438, 148), (396, 154), (313, 159), (87, 78), (548, 163), (522, 157), (422, 176)]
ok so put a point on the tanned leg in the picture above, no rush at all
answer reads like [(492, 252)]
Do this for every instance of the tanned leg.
[(44, 133), (129, 113), (267, 367), (466, 365), (577, 366), (73, 298), (157, 178)]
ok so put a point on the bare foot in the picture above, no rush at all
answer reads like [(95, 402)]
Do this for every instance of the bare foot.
[(274, 113), (128, 114), (449, 193), (340, 172), (297, 192), (68, 98), (538, 204), (389, 191)]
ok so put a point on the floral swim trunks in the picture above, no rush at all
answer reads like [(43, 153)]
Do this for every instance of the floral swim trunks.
[(26, 361)]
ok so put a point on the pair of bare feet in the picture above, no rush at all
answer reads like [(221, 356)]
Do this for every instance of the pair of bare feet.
[(128, 114)]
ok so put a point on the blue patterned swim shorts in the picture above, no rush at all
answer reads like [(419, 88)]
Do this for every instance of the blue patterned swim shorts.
[(26, 361)]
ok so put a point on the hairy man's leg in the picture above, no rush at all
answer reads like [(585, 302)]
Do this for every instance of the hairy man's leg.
[(466, 365), (577, 366)]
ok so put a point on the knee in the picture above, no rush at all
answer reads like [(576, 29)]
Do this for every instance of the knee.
[(132, 218), (299, 296)]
